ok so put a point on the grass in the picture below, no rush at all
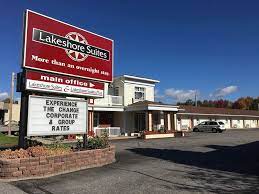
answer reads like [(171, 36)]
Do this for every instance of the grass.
[(8, 141)]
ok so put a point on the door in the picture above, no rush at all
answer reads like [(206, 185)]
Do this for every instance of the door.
[(140, 122), (212, 125), (206, 126), (201, 126), (1, 117)]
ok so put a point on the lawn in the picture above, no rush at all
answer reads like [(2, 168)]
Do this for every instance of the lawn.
[(8, 141)]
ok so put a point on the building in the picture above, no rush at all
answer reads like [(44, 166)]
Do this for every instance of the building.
[(4, 113), (189, 116), (129, 107)]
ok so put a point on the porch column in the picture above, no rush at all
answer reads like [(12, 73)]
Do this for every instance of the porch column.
[(167, 121), (90, 121), (149, 120), (174, 121)]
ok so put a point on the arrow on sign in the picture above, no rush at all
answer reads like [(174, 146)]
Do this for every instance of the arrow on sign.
[(91, 85)]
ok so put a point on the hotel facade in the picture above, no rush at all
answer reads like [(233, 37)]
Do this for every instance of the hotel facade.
[(129, 107)]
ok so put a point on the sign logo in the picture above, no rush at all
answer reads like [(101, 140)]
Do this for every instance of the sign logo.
[(75, 55), (74, 44)]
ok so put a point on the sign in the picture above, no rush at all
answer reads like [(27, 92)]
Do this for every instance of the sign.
[(46, 82), (56, 116), (54, 46)]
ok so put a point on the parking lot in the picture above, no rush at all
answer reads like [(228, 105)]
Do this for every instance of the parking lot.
[(201, 162)]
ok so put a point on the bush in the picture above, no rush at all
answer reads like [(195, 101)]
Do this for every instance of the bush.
[(36, 151), (98, 142), (9, 154)]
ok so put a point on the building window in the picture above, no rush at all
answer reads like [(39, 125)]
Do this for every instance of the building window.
[(96, 119), (139, 93), (116, 91)]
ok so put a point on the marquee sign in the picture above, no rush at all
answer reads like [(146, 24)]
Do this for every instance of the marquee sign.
[(54, 46), (56, 116), (46, 82)]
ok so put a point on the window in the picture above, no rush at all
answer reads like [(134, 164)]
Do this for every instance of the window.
[(139, 93), (116, 91), (96, 119)]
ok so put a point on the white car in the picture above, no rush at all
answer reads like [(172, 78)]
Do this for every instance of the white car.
[(214, 126)]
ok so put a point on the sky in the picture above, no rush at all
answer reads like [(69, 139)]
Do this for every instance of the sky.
[(205, 47)]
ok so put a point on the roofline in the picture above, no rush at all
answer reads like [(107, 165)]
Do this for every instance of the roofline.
[(204, 114), (140, 78)]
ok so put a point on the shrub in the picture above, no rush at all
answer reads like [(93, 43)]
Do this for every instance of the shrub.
[(36, 151), (98, 142), (9, 154), (58, 149)]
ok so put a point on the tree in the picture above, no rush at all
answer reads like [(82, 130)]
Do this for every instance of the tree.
[(245, 103), (255, 104)]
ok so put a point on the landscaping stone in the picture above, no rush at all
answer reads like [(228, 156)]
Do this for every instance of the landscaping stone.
[(25, 168)]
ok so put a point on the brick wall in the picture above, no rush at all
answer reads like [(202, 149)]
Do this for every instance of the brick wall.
[(51, 165)]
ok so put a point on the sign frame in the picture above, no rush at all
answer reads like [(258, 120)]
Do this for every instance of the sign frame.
[(25, 33), (83, 132)]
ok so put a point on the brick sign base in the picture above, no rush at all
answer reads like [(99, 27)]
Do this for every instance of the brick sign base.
[(34, 167)]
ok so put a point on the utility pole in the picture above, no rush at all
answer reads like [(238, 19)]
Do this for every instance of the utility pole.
[(196, 98), (11, 103)]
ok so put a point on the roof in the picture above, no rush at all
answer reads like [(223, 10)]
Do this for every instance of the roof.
[(150, 105), (147, 102), (139, 78), (212, 110)]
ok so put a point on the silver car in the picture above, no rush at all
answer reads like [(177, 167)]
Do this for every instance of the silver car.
[(214, 126)]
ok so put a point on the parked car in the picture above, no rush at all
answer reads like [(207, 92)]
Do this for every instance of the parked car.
[(214, 126)]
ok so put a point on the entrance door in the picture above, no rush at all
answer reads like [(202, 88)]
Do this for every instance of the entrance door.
[(1, 116), (140, 124)]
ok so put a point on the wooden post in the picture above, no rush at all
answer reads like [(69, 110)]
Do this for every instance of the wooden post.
[(23, 120), (165, 121), (11, 104), (85, 135)]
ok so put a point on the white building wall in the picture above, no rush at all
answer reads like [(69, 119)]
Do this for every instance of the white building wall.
[(186, 124), (129, 92), (184, 121), (225, 121), (247, 123), (103, 101), (253, 123), (237, 123), (15, 113)]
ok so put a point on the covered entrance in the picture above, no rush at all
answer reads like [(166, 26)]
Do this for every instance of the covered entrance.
[(151, 116)]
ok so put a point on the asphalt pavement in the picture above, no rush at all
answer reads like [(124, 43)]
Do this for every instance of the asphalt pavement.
[(199, 163)]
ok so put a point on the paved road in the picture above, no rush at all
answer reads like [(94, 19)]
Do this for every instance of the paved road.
[(199, 163)]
